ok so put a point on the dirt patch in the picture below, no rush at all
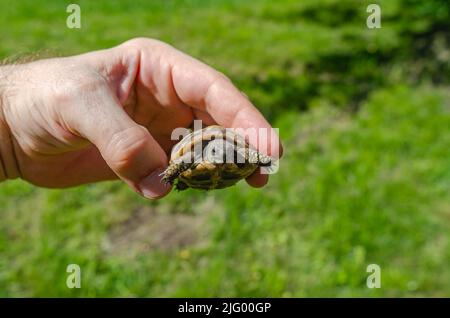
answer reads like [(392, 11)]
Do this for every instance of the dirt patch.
[(147, 229)]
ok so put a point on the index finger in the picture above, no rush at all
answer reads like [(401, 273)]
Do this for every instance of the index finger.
[(204, 88)]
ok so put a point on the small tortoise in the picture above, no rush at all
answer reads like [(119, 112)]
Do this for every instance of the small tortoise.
[(212, 158)]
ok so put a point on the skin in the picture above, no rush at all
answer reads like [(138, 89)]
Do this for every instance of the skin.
[(109, 114)]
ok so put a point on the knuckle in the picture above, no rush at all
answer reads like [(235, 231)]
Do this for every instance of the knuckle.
[(125, 145), (216, 83), (222, 77), (31, 146), (142, 42)]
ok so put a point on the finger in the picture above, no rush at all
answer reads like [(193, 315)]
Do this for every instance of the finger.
[(177, 79), (205, 89), (128, 148), (201, 87), (204, 117), (257, 180)]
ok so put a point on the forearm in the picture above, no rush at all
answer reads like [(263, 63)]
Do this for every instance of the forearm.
[(8, 164)]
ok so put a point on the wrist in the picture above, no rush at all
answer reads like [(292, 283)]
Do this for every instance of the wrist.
[(8, 163)]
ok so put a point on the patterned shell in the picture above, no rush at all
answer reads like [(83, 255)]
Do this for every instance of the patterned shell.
[(197, 137), (190, 168)]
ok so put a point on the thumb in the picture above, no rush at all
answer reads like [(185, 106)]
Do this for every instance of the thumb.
[(128, 148), (136, 157)]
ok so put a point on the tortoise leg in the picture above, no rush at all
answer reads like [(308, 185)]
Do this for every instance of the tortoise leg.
[(264, 161), (180, 186), (171, 173), (174, 170), (258, 158)]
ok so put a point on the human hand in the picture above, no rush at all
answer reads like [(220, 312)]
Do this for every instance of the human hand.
[(110, 113)]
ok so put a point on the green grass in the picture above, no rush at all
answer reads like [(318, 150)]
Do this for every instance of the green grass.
[(354, 188)]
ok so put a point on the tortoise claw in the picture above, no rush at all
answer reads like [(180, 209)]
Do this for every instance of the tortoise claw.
[(166, 177)]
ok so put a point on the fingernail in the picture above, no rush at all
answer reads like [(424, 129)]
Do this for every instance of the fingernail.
[(152, 187)]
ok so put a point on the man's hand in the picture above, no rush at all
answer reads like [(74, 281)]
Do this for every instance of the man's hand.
[(96, 116)]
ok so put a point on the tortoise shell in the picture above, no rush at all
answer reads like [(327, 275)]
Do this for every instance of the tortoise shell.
[(212, 158)]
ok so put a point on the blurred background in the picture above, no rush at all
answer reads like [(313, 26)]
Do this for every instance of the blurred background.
[(364, 115)]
